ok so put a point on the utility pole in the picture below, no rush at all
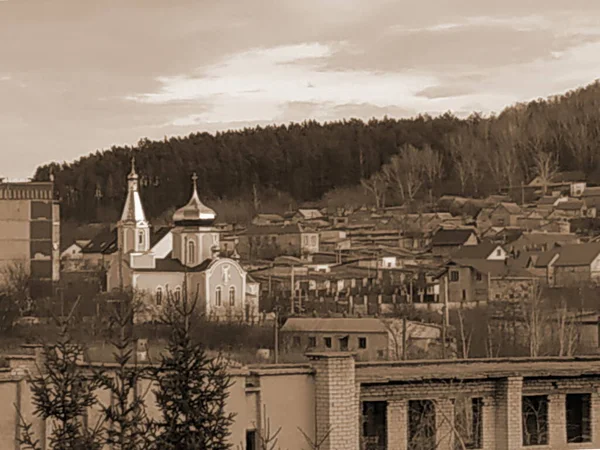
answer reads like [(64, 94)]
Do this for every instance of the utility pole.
[(292, 290), (276, 335), (404, 338), (445, 318)]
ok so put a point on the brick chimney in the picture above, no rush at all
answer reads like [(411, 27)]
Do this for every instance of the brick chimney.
[(337, 400)]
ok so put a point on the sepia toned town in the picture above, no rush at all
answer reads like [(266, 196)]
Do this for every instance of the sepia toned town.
[(412, 269)]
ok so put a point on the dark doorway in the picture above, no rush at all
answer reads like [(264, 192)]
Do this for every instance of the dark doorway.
[(374, 426)]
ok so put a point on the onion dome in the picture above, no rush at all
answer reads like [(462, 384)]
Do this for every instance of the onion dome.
[(195, 213)]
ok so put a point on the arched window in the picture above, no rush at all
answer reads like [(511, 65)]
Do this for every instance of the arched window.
[(232, 296), (158, 295), (140, 237), (218, 296), (191, 252), (178, 293)]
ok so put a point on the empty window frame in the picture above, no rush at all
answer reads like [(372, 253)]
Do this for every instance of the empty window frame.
[(421, 425), (578, 417), (468, 421), (535, 420)]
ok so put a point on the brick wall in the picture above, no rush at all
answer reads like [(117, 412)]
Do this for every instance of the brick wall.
[(337, 411)]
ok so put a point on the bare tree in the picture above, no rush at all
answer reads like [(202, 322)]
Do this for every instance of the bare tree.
[(15, 281), (545, 168), (535, 320), (432, 168), (405, 172), (377, 185)]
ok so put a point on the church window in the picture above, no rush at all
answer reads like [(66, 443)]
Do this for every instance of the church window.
[(159, 295), (232, 296), (141, 238), (191, 252), (218, 296), (178, 293)]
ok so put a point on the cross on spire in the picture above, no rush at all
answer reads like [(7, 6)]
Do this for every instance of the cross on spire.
[(132, 173), (195, 180)]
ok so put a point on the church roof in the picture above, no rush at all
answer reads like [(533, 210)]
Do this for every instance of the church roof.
[(194, 212), (133, 211), (170, 264)]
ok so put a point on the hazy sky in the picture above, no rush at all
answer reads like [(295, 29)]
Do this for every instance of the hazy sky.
[(82, 75)]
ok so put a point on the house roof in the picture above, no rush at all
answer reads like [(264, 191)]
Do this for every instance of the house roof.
[(570, 205), (269, 217), (539, 240), (273, 229), (512, 208), (170, 264), (497, 269), (334, 325), (568, 176), (547, 200), (577, 254), (101, 241), (451, 237), (310, 213), (591, 191), (480, 251)]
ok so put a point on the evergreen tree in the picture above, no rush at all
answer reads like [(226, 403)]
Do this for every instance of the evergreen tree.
[(62, 393), (127, 425), (192, 388)]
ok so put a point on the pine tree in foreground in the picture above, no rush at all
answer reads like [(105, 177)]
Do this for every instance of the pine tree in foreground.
[(62, 393), (126, 422), (191, 388)]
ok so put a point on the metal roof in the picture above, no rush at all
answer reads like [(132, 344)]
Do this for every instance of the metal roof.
[(334, 325)]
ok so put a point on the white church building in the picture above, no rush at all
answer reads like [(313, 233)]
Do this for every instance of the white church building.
[(158, 265)]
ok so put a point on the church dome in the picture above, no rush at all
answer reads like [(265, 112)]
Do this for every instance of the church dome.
[(194, 213)]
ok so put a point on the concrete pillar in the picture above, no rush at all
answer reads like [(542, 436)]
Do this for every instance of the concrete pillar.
[(337, 404), (397, 420), (444, 424), (509, 422), (488, 433)]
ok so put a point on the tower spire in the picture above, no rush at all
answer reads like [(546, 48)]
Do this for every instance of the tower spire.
[(133, 174)]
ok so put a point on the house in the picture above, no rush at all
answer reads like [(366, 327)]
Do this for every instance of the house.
[(573, 208), (307, 214), (489, 251), (591, 197), (570, 182), (446, 241), (267, 219), (267, 242), (505, 215), (71, 256), (540, 241), (480, 280), (483, 218), (367, 337), (569, 265)]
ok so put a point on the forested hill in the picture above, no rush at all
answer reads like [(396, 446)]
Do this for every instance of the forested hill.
[(477, 155)]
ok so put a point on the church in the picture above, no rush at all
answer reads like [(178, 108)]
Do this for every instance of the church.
[(163, 263)]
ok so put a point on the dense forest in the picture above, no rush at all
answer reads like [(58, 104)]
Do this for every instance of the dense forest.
[(406, 159)]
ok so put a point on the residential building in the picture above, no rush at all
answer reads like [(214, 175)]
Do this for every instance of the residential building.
[(569, 264), (568, 182), (185, 260), (489, 251), (505, 404), (575, 208), (505, 215), (267, 219), (267, 242), (367, 337), (446, 241), (480, 280), (30, 232)]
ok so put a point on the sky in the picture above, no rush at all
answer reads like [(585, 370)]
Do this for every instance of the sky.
[(78, 76)]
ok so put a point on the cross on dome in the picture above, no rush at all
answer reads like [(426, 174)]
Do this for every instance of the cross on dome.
[(194, 213)]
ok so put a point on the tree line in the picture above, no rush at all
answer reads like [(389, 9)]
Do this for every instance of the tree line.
[(415, 158)]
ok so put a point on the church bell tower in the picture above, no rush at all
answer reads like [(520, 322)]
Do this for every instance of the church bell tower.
[(133, 228)]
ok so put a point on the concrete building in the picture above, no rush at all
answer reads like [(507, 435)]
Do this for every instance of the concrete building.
[(368, 338), (30, 232), (487, 404)]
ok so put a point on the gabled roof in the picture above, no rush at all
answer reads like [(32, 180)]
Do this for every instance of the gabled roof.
[(479, 251), (451, 237), (568, 176), (269, 217), (570, 205), (578, 254), (334, 325), (157, 234), (273, 229), (496, 269), (512, 208), (591, 191), (101, 242), (310, 213), (539, 240), (170, 264), (547, 200)]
